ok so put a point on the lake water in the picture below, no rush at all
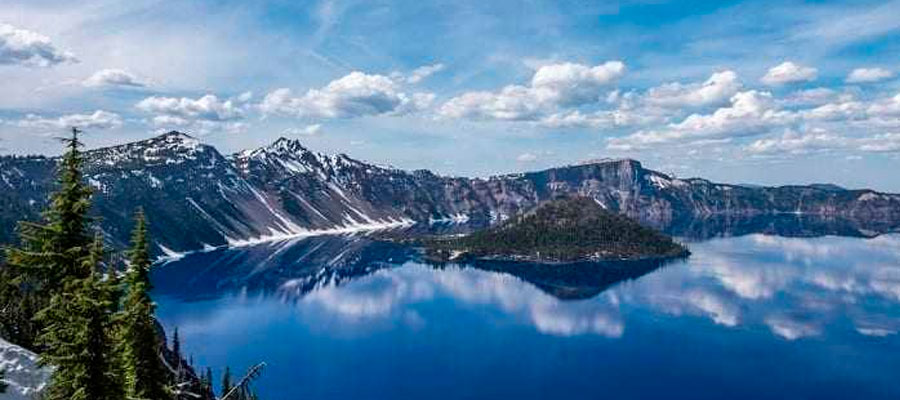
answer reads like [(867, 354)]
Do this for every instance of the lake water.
[(749, 317)]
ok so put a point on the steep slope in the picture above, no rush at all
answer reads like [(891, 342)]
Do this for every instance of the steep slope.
[(197, 198), (181, 184)]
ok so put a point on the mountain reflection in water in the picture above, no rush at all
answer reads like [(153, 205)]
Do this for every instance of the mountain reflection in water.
[(813, 316)]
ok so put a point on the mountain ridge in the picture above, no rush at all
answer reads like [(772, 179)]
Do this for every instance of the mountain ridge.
[(197, 198)]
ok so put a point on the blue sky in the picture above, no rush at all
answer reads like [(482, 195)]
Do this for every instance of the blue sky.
[(750, 92)]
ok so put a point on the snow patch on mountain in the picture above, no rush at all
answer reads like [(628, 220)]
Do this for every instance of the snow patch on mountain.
[(25, 379)]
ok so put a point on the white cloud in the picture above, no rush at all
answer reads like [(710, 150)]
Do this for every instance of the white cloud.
[(792, 142), (208, 108), (31, 49), (199, 116), (99, 119), (569, 84), (354, 95), (842, 111), (113, 78), (791, 329), (718, 88), (417, 102), (309, 130), (573, 119), (882, 143), (814, 96), (889, 107), (419, 74), (817, 140), (788, 72), (527, 157), (165, 123), (511, 103), (552, 87), (719, 309), (869, 75), (750, 113)]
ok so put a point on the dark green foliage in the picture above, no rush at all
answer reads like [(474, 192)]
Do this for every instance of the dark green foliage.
[(2, 382), (50, 255), (244, 392), (207, 380), (145, 375), (563, 230), (77, 337), (176, 344), (226, 381)]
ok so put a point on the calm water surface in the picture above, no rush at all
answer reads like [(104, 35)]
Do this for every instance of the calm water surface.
[(753, 317)]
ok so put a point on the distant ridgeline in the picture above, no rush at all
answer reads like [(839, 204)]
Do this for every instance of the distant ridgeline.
[(564, 230), (198, 197)]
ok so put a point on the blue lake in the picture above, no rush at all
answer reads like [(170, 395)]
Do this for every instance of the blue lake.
[(749, 317)]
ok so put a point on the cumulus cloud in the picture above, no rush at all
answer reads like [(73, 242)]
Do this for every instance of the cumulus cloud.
[(203, 115), (552, 87), (845, 110), (750, 113), (789, 72), (792, 142), (717, 89), (889, 107), (354, 95), (574, 84), (31, 49), (423, 72), (99, 119), (113, 78), (208, 107), (869, 75)]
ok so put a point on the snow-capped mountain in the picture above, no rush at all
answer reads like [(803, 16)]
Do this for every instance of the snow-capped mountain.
[(197, 198)]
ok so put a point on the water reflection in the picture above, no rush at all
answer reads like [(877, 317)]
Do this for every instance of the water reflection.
[(289, 268), (795, 287), (769, 315), (787, 225)]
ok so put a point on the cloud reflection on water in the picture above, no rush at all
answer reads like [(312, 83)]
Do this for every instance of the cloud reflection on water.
[(793, 288)]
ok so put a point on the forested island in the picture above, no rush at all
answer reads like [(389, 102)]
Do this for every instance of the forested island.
[(565, 230)]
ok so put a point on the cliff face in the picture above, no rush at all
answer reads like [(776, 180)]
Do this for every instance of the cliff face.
[(195, 197)]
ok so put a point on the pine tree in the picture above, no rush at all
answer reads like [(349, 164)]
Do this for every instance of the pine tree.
[(176, 345), (209, 380), (78, 337), (226, 381), (2, 382), (146, 375), (50, 254)]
